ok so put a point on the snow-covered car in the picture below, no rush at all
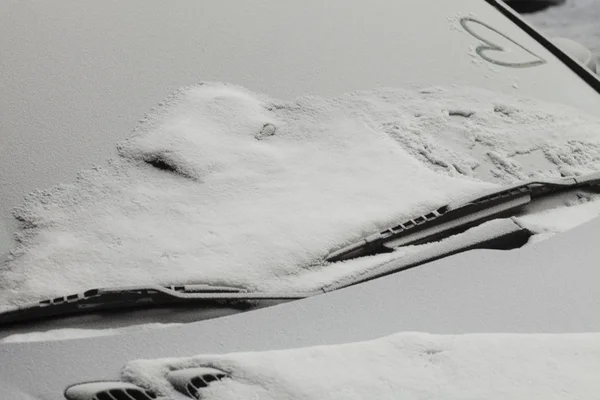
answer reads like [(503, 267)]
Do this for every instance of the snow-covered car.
[(344, 174)]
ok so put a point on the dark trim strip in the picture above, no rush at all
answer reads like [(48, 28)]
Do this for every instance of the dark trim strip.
[(585, 74)]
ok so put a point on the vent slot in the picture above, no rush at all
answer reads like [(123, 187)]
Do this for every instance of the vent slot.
[(190, 381), (107, 391), (138, 395)]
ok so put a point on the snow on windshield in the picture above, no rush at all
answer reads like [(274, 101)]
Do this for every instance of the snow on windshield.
[(221, 185), (401, 366)]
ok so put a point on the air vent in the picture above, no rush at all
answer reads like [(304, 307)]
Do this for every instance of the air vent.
[(107, 391), (190, 381)]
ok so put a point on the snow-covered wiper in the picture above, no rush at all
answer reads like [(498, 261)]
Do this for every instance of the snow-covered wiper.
[(459, 216), (445, 222), (139, 297)]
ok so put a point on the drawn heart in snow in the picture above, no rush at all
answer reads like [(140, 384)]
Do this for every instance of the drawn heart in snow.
[(491, 51)]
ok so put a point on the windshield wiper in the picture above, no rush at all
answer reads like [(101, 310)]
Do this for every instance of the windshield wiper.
[(443, 222), (459, 216), (140, 297)]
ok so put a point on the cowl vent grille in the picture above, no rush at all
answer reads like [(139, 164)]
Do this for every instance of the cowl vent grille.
[(190, 381), (107, 391)]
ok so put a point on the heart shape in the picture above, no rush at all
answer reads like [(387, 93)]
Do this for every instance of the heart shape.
[(486, 50)]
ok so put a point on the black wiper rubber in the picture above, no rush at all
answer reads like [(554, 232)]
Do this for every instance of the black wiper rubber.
[(139, 297), (500, 234), (459, 216)]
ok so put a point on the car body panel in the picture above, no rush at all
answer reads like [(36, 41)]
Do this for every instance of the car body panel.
[(542, 288), (80, 79)]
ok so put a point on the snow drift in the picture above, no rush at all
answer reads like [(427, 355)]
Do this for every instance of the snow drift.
[(220, 185), (401, 366)]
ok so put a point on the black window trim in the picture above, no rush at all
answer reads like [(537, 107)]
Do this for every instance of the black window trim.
[(588, 76)]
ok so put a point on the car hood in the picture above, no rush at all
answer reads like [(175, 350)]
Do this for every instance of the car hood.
[(548, 287)]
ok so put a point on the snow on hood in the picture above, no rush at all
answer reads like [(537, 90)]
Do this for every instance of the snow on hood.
[(78, 333), (220, 185), (401, 366)]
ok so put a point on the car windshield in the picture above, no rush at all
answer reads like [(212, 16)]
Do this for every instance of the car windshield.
[(304, 130)]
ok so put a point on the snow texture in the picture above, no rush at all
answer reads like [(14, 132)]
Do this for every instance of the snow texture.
[(577, 20), (555, 220), (220, 185), (77, 333), (401, 366)]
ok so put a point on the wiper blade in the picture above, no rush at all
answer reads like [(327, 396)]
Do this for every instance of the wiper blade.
[(460, 215), (499, 234), (139, 297), (439, 223)]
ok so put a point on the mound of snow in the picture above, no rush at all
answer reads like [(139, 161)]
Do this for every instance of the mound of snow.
[(402, 366), (220, 185)]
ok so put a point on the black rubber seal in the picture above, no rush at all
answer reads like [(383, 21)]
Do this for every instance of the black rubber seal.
[(585, 74)]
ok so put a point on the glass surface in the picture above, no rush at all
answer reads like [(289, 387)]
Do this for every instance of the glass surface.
[(76, 81)]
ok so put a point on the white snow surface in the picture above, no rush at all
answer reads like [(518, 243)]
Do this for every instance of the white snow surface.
[(401, 366), (254, 191), (552, 221), (577, 20), (77, 333)]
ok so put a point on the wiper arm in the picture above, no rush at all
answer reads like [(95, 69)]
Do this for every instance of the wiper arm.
[(460, 215), (439, 223), (139, 297)]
